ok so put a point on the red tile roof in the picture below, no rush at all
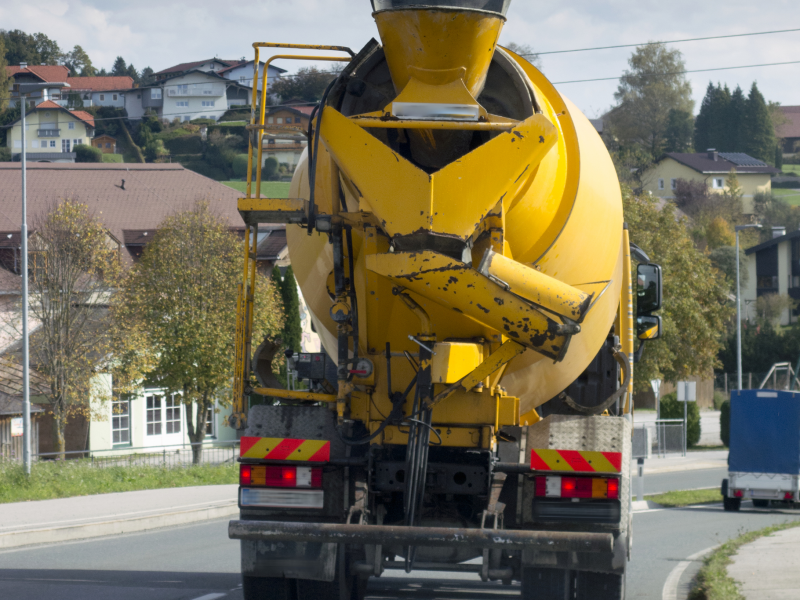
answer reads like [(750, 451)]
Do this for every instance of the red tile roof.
[(83, 116), (99, 83), (790, 129), (43, 72)]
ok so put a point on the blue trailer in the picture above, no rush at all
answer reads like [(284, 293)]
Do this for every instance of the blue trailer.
[(764, 457)]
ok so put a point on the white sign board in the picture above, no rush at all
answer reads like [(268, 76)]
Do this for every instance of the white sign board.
[(687, 391), (16, 427)]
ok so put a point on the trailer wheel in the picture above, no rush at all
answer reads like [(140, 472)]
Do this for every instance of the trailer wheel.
[(731, 504), (544, 583), (268, 588), (760, 503)]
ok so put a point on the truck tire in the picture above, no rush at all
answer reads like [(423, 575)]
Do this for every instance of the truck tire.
[(599, 586), (731, 504), (268, 588), (760, 503), (543, 583)]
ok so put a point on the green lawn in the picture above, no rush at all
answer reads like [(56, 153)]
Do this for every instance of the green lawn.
[(791, 196), (112, 158), (686, 497), (791, 169), (63, 479), (269, 189)]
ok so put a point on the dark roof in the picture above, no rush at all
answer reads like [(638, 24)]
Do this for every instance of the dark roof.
[(11, 379), (209, 73), (137, 237), (701, 163), (188, 66), (773, 242), (271, 247), (242, 63), (790, 129), (10, 405), (298, 110)]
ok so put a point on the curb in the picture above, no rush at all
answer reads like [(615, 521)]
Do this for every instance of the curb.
[(29, 537), (639, 505)]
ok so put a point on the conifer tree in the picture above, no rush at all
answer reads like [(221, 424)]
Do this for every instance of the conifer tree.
[(702, 124), (720, 138), (760, 132), (737, 121)]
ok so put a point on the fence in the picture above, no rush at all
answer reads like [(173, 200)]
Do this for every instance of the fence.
[(725, 382), (168, 457), (659, 438)]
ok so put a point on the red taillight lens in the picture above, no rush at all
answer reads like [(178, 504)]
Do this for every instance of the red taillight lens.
[(540, 485), (788, 496), (576, 487), (613, 488), (738, 493), (245, 474), (280, 476)]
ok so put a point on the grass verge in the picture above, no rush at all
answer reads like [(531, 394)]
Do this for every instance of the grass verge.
[(712, 581), (686, 497), (50, 480), (269, 189)]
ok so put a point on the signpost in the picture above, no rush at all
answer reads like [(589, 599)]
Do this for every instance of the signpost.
[(687, 392)]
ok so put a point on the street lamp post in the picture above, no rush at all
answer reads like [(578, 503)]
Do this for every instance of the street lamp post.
[(738, 228), (27, 88)]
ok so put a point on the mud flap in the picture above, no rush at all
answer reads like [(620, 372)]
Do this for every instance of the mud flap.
[(292, 560)]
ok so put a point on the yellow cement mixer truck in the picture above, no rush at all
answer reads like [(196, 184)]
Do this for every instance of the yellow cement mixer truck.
[(456, 229)]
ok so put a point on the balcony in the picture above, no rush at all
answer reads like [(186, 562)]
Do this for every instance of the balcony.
[(48, 133)]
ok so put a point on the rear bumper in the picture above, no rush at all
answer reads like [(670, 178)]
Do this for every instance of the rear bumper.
[(553, 541)]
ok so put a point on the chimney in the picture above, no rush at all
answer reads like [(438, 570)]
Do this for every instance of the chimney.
[(712, 154), (778, 231), (23, 65)]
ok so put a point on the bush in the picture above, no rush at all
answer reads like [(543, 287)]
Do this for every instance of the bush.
[(672, 409), (270, 169), (240, 166), (725, 423), (203, 122), (185, 144), (87, 154), (5, 155), (719, 399)]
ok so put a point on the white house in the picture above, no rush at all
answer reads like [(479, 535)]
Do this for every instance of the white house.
[(242, 73)]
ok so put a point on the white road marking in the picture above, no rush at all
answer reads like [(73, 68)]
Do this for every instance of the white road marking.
[(211, 597), (670, 591)]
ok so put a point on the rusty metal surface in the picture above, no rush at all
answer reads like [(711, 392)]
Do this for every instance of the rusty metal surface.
[(554, 541)]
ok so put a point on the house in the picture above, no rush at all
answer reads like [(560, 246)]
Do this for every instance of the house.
[(789, 131), (773, 267), (11, 411), (286, 140), (52, 132), (106, 144), (99, 91), (712, 168), (131, 200), (22, 73)]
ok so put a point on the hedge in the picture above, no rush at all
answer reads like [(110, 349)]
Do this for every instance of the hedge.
[(672, 409), (87, 154), (229, 129), (203, 168), (187, 144)]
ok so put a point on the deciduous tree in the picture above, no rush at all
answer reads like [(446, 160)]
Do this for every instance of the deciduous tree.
[(679, 131), (307, 84), (5, 81), (79, 63), (182, 296), (527, 52)]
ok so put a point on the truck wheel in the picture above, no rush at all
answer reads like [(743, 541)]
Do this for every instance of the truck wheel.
[(760, 503), (268, 588), (731, 504), (542, 583), (599, 586)]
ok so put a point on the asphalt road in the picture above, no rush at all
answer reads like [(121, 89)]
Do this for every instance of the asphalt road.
[(199, 561)]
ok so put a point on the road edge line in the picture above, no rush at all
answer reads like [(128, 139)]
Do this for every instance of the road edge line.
[(670, 590), (16, 539)]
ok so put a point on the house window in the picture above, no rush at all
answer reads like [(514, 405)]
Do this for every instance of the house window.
[(280, 120), (155, 94), (242, 79), (114, 97), (35, 144), (183, 90), (138, 96), (17, 143), (173, 405), (121, 422), (47, 113), (661, 184), (108, 144), (65, 145), (76, 142), (71, 125), (208, 103), (270, 119), (52, 143), (187, 118), (717, 183), (182, 103), (210, 422), (673, 184), (102, 97), (154, 415)]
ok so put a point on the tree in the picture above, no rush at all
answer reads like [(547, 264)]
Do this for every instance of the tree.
[(132, 73), (770, 307), (702, 124), (48, 50), (695, 307), (5, 80), (526, 51), (760, 131), (181, 295), (36, 49), (719, 233), (679, 131), (269, 169), (292, 330), (672, 409), (775, 211), (737, 121), (146, 76), (724, 259), (654, 85), (120, 68), (308, 84), (720, 125), (75, 268), (79, 63), (87, 154)]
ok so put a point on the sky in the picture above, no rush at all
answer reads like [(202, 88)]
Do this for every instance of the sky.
[(162, 33)]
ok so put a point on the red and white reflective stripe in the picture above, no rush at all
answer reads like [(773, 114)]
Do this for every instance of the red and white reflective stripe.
[(280, 476), (576, 487)]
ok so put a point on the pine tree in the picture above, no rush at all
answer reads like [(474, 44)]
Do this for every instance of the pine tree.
[(737, 121), (292, 330), (702, 124), (760, 132), (133, 73), (119, 68), (720, 138)]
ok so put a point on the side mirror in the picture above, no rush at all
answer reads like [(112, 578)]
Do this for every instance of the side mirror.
[(648, 327), (648, 289)]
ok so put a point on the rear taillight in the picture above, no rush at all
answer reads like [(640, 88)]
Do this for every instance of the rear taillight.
[(788, 496), (738, 493), (280, 476), (576, 487)]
